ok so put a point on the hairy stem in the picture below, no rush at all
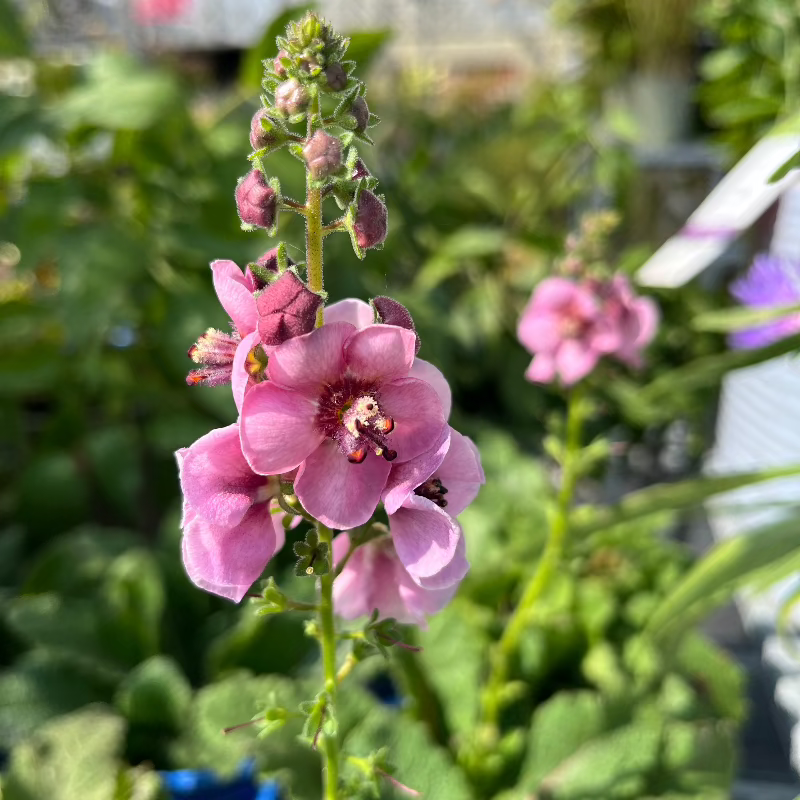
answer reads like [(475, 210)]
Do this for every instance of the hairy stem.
[(548, 563), (314, 232), (328, 641)]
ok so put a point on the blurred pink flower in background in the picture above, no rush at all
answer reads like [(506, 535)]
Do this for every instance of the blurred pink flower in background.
[(154, 12), (569, 327)]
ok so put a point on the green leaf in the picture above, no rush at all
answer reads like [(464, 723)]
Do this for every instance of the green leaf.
[(668, 497), (785, 168), (614, 766), (13, 38), (70, 757), (725, 568), (419, 763), (737, 319), (155, 694), (559, 728), (676, 389), (252, 70), (119, 94), (38, 687), (469, 242), (365, 46)]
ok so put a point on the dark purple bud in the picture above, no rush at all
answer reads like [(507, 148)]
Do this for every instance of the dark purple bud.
[(371, 222), (286, 308), (323, 154), (280, 70), (360, 112), (269, 260), (360, 170), (259, 136), (256, 201), (390, 312), (336, 76), (291, 97)]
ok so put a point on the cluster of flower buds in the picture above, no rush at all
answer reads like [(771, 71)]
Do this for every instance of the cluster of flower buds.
[(309, 86), (337, 413)]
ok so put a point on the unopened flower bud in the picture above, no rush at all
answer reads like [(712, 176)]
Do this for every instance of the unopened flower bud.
[(323, 154), (360, 170), (280, 70), (269, 261), (371, 223), (260, 135), (360, 112), (286, 308), (256, 201), (390, 312), (291, 97), (336, 77)]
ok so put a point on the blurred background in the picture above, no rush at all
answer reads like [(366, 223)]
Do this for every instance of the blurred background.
[(123, 128)]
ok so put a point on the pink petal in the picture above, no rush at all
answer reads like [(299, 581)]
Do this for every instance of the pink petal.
[(227, 561), (240, 378), (575, 360), (337, 493), (461, 473), (647, 312), (606, 335), (235, 292), (277, 428), (307, 362), (381, 353), (539, 330), (542, 369), (425, 537), (356, 312), (418, 417), (419, 602), (454, 572), (404, 478), (554, 294), (216, 479), (351, 587), (425, 371)]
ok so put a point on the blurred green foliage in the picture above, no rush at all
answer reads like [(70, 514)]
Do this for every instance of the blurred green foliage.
[(116, 184)]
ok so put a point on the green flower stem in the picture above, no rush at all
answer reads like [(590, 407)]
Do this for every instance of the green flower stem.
[(328, 641), (548, 563), (314, 229)]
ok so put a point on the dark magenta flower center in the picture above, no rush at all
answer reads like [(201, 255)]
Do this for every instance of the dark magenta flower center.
[(433, 489), (349, 412)]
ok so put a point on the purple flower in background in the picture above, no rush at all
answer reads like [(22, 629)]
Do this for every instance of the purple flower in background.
[(770, 282)]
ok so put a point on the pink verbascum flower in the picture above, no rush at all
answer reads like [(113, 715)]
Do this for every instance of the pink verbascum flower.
[(149, 12), (231, 526), (374, 578), (569, 327), (339, 406), (422, 498)]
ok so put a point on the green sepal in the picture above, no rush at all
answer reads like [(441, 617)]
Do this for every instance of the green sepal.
[(272, 600), (374, 120), (297, 151), (312, 556), (272, 720)]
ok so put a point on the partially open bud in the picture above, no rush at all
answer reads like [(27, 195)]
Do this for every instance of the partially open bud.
[(286, 308), (336, 77), (390, 312), (280, 70), (360, 112), (372, 221), (291, 97), (263, 134), (256, 201), (214, 351), (323, 154)]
